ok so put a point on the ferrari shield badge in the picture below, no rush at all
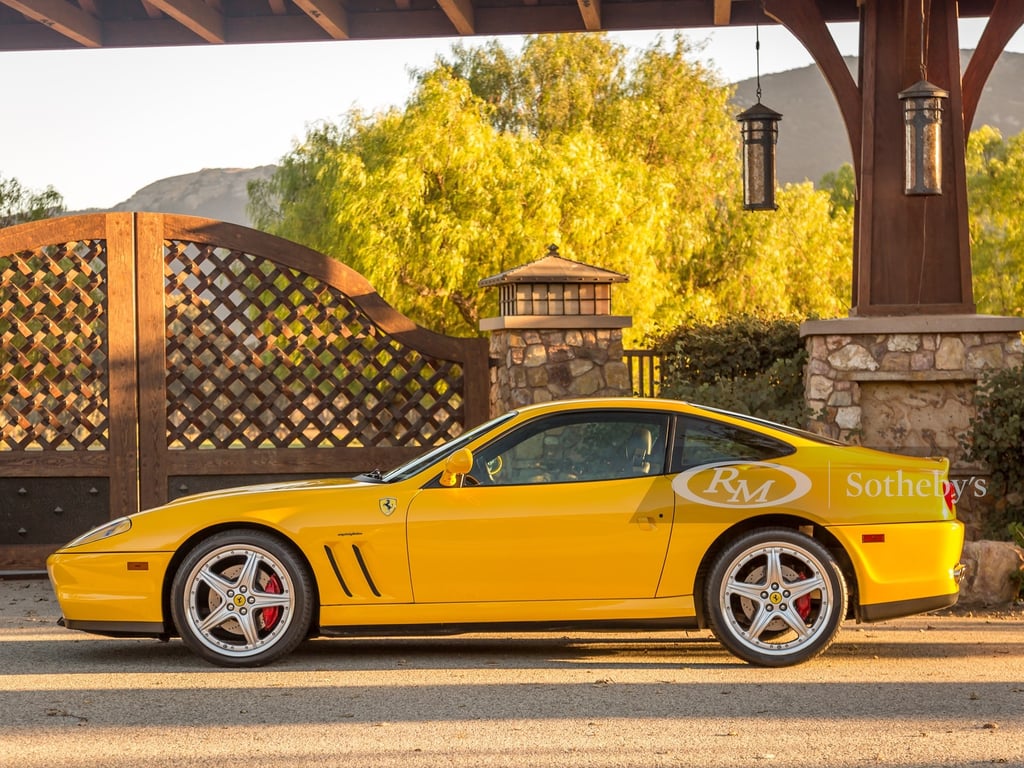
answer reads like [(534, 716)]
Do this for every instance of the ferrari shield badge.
[(388, 505)]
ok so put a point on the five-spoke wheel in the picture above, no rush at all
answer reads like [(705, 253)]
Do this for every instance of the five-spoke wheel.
[(775, 597), (242, 599)]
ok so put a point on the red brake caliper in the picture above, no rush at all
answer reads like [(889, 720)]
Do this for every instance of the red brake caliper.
[(803, 604), (273, 613)]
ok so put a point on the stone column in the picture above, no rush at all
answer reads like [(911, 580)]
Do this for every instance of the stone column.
[(555, 337), (542, 364), (906, 385)]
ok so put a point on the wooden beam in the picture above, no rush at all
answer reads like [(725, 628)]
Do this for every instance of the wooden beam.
[(1007, 17), (590, 10), (460, 13), (723, 12), (196, 16), (63, 17), (805, 21), (329, 14), (151, 11)]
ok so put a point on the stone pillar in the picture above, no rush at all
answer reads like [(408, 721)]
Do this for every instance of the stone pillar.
[(906, 385), (555, 337)]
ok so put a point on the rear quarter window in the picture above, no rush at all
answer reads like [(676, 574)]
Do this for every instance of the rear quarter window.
[(703, 441)]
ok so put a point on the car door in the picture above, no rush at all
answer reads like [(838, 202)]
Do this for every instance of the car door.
[(570, 506)]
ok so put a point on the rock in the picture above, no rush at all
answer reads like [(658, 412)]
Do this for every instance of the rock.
[(853, 357), (990, 565)]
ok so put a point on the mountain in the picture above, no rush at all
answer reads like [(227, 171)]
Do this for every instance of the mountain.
[(812, 140), (216, 193)]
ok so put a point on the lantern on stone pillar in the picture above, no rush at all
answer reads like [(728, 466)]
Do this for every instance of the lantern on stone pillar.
[(759, 128), (922, 120)]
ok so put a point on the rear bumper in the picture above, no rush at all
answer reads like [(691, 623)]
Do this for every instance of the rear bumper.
[(904, 568), (883, 611)]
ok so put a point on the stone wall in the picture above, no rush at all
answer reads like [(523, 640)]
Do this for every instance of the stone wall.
[(539, 365), (906, 385)]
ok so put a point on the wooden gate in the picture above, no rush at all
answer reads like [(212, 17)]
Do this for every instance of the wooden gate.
[(147, 356)]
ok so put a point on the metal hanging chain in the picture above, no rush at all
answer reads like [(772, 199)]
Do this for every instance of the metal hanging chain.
[(757, 58), (925, 12)]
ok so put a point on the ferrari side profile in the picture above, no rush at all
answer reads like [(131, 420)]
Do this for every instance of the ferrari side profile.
[(600, 514)]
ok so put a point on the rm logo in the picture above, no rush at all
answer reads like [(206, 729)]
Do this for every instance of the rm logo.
[(742, 484)]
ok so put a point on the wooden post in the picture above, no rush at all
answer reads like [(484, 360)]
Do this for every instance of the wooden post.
[(911, 254)]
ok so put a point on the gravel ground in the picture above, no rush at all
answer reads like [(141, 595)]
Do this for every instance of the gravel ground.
[(940, 690)]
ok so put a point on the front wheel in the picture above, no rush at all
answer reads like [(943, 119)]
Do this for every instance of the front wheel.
[(242, 599), (775, 597)]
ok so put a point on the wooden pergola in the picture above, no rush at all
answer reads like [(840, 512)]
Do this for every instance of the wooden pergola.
[(911, 253)]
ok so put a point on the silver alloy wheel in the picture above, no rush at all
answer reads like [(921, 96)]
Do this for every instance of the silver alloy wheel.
[(241, 599), (776, 597)]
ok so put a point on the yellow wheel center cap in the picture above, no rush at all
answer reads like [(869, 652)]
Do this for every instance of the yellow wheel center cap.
[(239, 600), (775, 598)]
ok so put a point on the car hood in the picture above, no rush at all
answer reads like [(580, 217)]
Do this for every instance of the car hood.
[(334, 483)]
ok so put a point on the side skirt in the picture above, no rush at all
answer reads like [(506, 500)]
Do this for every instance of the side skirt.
[(437, 630)]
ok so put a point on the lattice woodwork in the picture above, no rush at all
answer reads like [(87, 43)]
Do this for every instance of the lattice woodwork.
[(260, 355), (53, 350)]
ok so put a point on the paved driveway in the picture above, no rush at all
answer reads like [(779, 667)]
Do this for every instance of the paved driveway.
[(929, 691)]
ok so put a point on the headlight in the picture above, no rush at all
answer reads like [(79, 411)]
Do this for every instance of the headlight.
[(105, 531)]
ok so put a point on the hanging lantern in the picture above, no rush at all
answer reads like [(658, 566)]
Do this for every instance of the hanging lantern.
[(759, 127), (922, 118)]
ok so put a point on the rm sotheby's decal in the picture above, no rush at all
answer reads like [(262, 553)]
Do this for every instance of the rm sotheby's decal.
[(741, 484)]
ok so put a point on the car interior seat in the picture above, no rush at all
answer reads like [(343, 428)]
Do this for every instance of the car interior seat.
[(638, 450)]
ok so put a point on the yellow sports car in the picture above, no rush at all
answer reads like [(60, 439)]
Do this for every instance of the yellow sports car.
[(592, 514)]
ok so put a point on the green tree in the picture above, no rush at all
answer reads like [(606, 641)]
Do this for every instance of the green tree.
[(18, 204), (625, 161), (794, 263), (995, 184), (841, 185)]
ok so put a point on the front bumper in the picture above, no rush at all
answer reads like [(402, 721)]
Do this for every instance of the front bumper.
[(116, 628), (102, 591)]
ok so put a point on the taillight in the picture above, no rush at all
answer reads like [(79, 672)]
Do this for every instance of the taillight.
[(949, 494)]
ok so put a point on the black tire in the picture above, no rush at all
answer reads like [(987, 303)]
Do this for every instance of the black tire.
[(242, 599), (775, 597)]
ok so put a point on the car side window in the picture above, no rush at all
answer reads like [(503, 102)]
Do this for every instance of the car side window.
[(702, 441), (576, 447)]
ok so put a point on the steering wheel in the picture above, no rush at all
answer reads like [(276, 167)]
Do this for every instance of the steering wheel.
[(494, 467)]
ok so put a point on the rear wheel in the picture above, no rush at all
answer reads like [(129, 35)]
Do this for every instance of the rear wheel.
[(242, 599), (775, 597)]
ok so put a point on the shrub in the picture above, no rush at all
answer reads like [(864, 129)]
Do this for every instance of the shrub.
[(744, 364), (1017, 533), (997, 439)]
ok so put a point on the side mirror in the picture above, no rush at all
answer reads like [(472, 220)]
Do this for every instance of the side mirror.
[(456, 467)]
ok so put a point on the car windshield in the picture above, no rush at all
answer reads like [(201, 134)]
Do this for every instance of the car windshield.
[(434, 455)]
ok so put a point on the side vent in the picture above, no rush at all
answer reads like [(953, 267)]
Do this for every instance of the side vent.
[(366, 571), (337, 571)]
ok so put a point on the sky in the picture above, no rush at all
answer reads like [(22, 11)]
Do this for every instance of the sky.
[(98, 125)]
